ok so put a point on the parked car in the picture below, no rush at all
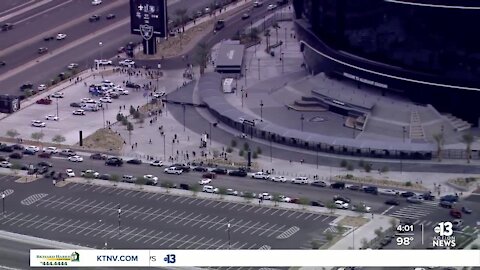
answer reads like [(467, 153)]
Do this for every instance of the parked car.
[(338, 185), (245, 16), (318, 183), (341, 198), (6, 148), (200, 169), (111, 16), (151, 180), (231, 192), (415, 199), (317, 203), (341, 204), (98, 156), (392, 202), (209, 189), (132, 85), (75, 158), (205, 181), (38, 123), (105, 176), (185, 186), (173, 170), (466, 210), (156, 163), (371, 189), (210, 175), (450, 198), (300, 180), (51, 150), (446, 204), (220, 171), (5, 164), (428, 196), (79, 112), (44, 101), (239, 173), (129, 178), (407, 194), (265, 196), (75, 105), (134, 161), (260, 175), (16, 155), (41, 155), (89, 173), (114, 161), (67, 152), (391, 192), (354, 187), (277, 178), (70, 173), (183, 167), (455, 213)]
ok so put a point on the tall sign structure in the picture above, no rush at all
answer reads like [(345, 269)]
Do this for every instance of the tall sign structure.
[(148, 18)]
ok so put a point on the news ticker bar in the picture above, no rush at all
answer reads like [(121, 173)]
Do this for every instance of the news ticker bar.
[(252, 258)]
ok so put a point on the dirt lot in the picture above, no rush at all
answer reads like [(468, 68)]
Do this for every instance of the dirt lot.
[(104, 139)]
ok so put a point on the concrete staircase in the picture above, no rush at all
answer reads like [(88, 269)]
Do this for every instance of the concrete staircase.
[(417, 133), (457, 123)]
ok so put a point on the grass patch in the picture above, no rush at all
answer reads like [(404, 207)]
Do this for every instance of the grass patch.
[(353, 221), (379, 182), (467, 182), (104, 139)]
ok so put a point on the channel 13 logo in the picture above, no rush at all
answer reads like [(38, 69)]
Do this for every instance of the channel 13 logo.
[(444, 237)]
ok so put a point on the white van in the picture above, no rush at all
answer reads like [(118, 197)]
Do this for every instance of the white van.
[(90, 107), (300, 180), (210, 189)]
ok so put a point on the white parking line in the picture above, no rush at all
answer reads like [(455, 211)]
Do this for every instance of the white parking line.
[(284, 212), (50, 225), (136, 234), (190, 242), (105, 190), (223, 244), (45, 200), (173, 218), (260, 228), (154, 237), (114, 232), (275, 231), (127, 193), (326, 217), (177, 198), (69, 204), (96, 229), (182, 219), (152, 195), (307, 217), (192, 219), (159, 215), (209, 202), (221, 223), (60, 225), (85, 205), (86, 228), (41, 222), (133, 212), (98, 188), (94, 207), (234, 205), (251, 207), (184, 199), (199, 242), (301, 214), (201, 220), (125, 234), (192, 201), (258, 209), (241, 226), (273, 213), (266, 211), (106, 229), (249, 228), (240, 247), (160, 196), (215, 244), (161, 237), (53, 201), (171, 215), (27, 217), (252, 246), (145, 235), (73, 225), (105, 207), (121, 191), (27, 221), (144, 195), (146, 212), (135, 193), (74, 185), (151, 214), (129, 211), (293, 213), (9, 218), (166, 197), (183, 242), (208, 222)]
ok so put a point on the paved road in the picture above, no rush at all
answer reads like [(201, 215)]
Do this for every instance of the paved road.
[(87, 215), (81, 44)]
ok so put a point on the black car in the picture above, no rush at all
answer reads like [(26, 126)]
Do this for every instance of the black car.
[(42, 50), (42, 169), (318, 184), (114, 161), (26, 86), (132, 85), (45, 164), (240, 173), (2, 63), (245, 16), (94, 18), (341, 198), (200, 169), (111, 16), (338, 185), (220, 171), (7, 26), (392, 202), (317, 203), (6, 148), (134, 161), (407, 194), (446, 204), (75, 105), (28, 152), (98, 156), (428, 196), (219, 25), (105, 176), (16, 155), (449, 198), (18, 147), (354, 187), (48, 38), (3, 158), (185, 186), (371, 189), (183, 167)]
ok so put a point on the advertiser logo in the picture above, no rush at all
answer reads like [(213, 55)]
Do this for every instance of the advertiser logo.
[(444, 237), (146, 31), (58, 259)]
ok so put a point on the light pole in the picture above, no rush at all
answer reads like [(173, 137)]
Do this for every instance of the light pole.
[(103, 115), (3, 204), (259, 68), (242, 95), (164, 152), (228, 233), (301, 120), (119, 216), (183, 117), (210, 135), (245, 76), (261, 111), (100, 44), (271, 158), (57, 106), (404, 131), (353, 238), (283, 60), (285, 37)]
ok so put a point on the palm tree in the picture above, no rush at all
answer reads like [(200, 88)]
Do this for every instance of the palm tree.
[(12, 133), (253, 35), (440, 141), (58, 139), (267, 36), (181, 14), (202, 54), (276, 26), (468, 139)]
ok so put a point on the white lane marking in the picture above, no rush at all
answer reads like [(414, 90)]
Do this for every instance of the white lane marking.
[(162, 237), (60, 224), (201, 220)]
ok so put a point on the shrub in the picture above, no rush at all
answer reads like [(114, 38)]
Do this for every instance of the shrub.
[(229, 150), (474, 246), (315, 244), (254, 155), (246, 146), (384, 169), (349, 176), (408, 184), (241, 153), (259, 150), (350, 167), (120, 117), (233, 143), (124, 121), (361, 163), (367, 167), (343, 163)]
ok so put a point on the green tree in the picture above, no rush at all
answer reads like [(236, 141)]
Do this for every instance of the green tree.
[(259, 150), (115, 178), (367, 167), (37, 136), (202, 54), (340, 229), (254, 155), (343, 163), (474, 246), (267, 36), (124, 121), (378, 232), (195, 189), (331, 206), (12, 133), (248, 196), (246, 147), (329, 236), (120, 117), (132, 110), (229, 150), (468, 139), (233, 143), (303, 202), (384, 169), (222, 192), (241, 153), (350, 167), (439, 139), (130, 129), (364, 243), (182, 17), (167, 185), (58, 139), (315, 244), (141, 181), (393, 223), (276, 198)]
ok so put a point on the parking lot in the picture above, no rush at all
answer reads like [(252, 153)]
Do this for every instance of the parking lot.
[(88, 215), (69, 125)]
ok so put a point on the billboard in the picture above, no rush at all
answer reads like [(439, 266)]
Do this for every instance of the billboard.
[(148, 18)]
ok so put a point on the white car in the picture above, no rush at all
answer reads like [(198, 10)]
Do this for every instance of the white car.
[(5, 164), (300, 180), (271, 7), (79, 112), (341, 204), (205, 181), (103, 62), (362, 207), (75, 158), (42, 87), (278, 179), (283, 198), (52, 117), (87, 100), (152, 180), (38, 123), (106, 100), (61, 36), (156, 163), (391, 192), (120, 90), (209, 189), (72, 66), (96, 2), (108, 83), (57, 95), (260, 175), (50, 149), (158, 94), (127, 63), (173, 170), (90, 172), (32, 148), (265, 196), (70, 173)]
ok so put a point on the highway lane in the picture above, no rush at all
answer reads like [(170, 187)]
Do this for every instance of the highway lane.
[(88, 215)]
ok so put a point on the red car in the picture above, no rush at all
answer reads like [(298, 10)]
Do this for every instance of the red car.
[(210, 175), (44, 155), (44, 101), (455, 213)]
